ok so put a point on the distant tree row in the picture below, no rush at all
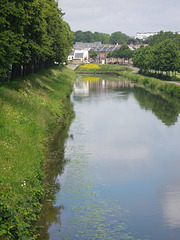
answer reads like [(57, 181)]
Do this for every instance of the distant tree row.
[(160, 56), (105, 38), (33, 36)]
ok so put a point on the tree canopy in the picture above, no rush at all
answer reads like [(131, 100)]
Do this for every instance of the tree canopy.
[(161, 36), (118, 38), (93, 54), (114, 38), (123, 52), (160, 57), (33, 35)]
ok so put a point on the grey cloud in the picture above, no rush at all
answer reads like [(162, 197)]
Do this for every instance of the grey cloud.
[(127, 16)]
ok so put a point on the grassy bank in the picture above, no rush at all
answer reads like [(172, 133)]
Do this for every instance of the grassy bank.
[(153, 84), (31, 109), (102, 68), (150, 83)]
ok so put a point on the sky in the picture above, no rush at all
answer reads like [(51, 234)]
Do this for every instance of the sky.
[(127, 16)]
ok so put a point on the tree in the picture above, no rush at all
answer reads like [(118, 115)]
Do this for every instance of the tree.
[(163, 56), (11, 32), (33, 35), (93, 54), (161, 36), (109, 55), (169, 55), (88, 37), (118, 38), (101, 37), (79, 36), (91, 37), (123, 52), (139, 57)]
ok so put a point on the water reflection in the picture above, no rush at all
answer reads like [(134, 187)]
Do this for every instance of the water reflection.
[(122, 158), (54, 166), (85, 85), (170, 198), (166, 111)]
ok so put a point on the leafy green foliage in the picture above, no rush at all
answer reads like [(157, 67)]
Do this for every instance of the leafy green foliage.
[(93, 54), (91, 37), (123, 52), (161, 36), (33, 35), (118, 38), (163, 56), (114, 38)]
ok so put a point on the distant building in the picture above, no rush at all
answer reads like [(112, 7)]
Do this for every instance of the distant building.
[(78, 55), (144, 35), (81, 45), (81, 53), (102, 52)]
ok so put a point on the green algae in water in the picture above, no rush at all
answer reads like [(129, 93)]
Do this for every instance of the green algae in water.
[(87, 215)]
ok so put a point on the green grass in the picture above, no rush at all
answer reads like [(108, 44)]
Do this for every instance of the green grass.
[(178, 76), (102, 68), (154, 85), (31, 109)]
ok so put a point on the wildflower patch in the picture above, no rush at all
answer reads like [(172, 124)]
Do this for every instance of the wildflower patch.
[(89, 66)]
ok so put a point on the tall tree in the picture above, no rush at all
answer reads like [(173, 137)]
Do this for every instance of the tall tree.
[(118, 38), (161, 36), (11, 32), (93, 54), (32, 36), (123, 52)]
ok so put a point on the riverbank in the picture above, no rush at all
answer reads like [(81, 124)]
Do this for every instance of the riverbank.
[(31, 108), (155, 85)]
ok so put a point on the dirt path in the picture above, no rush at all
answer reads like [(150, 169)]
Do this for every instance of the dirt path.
[(72, 66), (135, 70), (177, 83)]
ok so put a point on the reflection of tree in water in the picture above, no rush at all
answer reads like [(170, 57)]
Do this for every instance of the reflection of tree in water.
[(163, 109), (54, 166), (87, 87)]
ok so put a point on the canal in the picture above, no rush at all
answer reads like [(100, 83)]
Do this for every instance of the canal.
[(114, 174)]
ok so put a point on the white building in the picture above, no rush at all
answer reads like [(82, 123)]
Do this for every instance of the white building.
[(81, 55), (144, 35)]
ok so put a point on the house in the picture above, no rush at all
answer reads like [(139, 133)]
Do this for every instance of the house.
[(81, 53), (78, 55)]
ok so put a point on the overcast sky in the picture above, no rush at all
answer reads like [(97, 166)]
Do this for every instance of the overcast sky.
[(127, 16)]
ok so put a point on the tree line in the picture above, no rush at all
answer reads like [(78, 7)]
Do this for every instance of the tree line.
[(105, 38), (33, 35), (159, 57)]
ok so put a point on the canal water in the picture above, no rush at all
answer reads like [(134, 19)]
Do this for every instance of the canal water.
[(115, 173)]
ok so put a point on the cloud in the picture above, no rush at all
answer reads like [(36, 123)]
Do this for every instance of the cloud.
[(127, 16)]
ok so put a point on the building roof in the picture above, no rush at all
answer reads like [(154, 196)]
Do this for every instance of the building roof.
[(80, 45)]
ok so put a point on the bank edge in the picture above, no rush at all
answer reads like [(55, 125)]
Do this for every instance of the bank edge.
[(31, 109)]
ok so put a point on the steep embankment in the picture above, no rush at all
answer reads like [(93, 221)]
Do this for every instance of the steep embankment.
[(31, 109)]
